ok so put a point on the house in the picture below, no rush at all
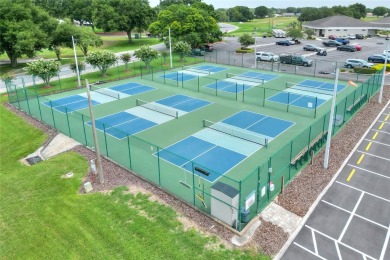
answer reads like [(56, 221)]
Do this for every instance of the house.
[(340, 25)]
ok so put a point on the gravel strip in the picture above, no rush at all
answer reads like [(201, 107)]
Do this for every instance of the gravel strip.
[(297, 196)]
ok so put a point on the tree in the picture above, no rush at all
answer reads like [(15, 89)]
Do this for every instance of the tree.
[(164, 54), (380, 11), (24, 29), (126, 57), (7, 79), (146, 54), (246, 40), (86, 38), (310, 33), (291, 10), (80, 66), (124, 15), (55, 8), (182, 48), (187, 23), (294, 33), (62, 36), (221, 15), (358, 10), (261, 11), (45, 69), (82, 11), (103, 60), (240, 14)]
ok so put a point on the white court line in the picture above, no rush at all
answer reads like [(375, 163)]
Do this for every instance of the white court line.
[(373, 141), (350, 217), (382, 256), (339, 242), (373, 155), (376, 196), (307, 250), (360, 168)]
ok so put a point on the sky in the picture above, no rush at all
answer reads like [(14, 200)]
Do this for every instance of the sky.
[(285, 3)]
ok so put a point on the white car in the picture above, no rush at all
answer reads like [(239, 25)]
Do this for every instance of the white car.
[(266, 56), (351, 36), (386, 52)]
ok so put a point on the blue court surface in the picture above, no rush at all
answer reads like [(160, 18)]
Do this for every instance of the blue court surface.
[(210, 68), (69, 104), (178, 76), (319, 85), (184, 103), (131, 88), (209, 154), (228, 86), (258, 75), (297, 100), (122, 124)]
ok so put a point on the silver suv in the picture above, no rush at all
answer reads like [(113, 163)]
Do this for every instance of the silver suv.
[(266, 56), (352, 63)]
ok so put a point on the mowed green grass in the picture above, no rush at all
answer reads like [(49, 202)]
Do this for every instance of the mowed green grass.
[(42, 216), (262, 25)]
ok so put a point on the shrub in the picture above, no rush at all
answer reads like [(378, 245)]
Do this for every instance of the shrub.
[(379, 67), (364, 70), (244, 51)]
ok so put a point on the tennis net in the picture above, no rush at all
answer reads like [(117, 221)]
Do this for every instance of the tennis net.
[(196, 70), (105, 91), (245, 78), (157, 108), (308, 88), (236, 132)]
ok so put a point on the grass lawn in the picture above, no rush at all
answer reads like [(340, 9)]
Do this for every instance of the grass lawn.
[(42, 216), (262, 25)]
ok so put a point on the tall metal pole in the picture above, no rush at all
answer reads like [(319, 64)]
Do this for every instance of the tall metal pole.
[(387, 56), (170, 46), (95, 139), (255, 49), (331, 118), (77, 65)]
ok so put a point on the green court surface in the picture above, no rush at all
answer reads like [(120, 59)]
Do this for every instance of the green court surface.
[(292, 117)]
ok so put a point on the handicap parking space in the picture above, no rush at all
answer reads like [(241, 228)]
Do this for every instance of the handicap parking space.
[(352, 219)]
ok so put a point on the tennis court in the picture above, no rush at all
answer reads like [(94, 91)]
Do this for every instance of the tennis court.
[(221, 146), (146, 115)]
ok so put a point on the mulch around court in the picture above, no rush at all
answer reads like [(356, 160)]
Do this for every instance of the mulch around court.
[(297, 196)]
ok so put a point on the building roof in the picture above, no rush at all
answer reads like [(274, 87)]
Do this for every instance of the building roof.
[(382, 23), (337, 21)]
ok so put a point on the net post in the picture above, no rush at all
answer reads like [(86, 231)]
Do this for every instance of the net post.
[(236, 91), (315, 108), (288, 100), (164, 77), (216, 87), (177, 115), (198, 82), (266, 142), (182, 79), (177, 79)]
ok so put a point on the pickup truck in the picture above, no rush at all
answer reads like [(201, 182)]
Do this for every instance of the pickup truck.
[(295, 60)]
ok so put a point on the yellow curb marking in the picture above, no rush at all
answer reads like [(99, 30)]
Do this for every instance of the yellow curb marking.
[(360, 159), (350, 175), (368, 146)]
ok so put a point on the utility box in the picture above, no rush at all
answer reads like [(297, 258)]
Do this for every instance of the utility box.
[(224, 203)]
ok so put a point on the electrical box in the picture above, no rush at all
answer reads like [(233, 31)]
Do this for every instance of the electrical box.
[(224, 203)]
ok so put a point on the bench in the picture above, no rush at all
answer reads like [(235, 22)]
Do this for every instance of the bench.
[(305, 151), (356, 103)]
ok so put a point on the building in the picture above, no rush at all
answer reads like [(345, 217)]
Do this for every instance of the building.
[(341, 25)]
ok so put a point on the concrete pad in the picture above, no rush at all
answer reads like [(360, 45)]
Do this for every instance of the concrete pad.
[(59, 144), (242, 240), (281, 217)]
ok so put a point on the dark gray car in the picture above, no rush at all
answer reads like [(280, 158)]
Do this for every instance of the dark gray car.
[(311, 47)]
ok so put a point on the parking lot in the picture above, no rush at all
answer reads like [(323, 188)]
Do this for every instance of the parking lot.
[(327, 63)]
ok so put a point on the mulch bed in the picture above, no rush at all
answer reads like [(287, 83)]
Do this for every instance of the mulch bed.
[(297, 197)]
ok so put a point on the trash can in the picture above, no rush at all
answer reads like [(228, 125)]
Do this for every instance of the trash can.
[(136, 35), (245, 215)]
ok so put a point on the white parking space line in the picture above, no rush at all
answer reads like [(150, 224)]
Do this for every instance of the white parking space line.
[(314, 242), (381, 131), (373, 155), (350, 217), (382, 257), (338, 250), (308, 250), (376, 196), (360, 168), (370, 140), (339, 242), (340, 208)]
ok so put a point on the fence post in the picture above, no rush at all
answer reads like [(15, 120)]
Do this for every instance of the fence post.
[(128, 146), (158, 166), (39, 107), (85, 133), (105, 139), (52, 114), (67, 119)]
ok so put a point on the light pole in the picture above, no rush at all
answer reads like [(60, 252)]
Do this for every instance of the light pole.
[(95, 139), (330, 127), (387, 56), (255, 36), (77, 64), (170, 46)]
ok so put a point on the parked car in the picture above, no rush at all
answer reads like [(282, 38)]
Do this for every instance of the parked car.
[(311, 47), (349, 48), (378, 58), (332, 37), (284, 42), (352, 63), (359, 36), (198, 52), (386, 52), (343, 41), (207, 47), (266, 56), (351, 36), (357, 46), (331, 43), (295, 60)]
